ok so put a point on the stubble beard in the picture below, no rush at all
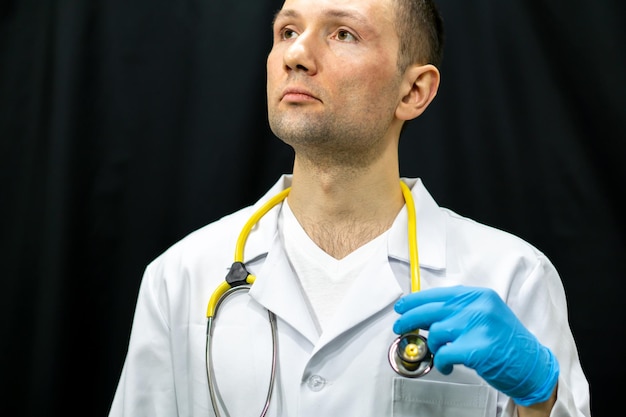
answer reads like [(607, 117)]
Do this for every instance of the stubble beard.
[(327, 141)]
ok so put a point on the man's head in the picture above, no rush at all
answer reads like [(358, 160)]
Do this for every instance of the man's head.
[(341, 79)]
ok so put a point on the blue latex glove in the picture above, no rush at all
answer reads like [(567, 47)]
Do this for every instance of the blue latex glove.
[(474, 327)]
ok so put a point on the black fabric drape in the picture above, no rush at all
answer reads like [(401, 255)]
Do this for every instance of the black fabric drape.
[(126, 125)]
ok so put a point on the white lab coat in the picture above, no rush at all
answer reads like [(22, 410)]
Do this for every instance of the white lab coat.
[(345, 371)]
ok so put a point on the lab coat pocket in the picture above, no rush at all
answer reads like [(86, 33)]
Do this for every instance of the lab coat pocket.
[(424, 398)]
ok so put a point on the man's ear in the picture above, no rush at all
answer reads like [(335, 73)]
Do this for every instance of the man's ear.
[(420, 86)]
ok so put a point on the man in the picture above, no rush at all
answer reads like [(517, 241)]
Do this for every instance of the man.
[(332, 261)]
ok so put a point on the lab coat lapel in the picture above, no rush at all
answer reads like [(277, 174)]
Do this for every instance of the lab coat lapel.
[(275, 287), (375, 289), (278, 290)]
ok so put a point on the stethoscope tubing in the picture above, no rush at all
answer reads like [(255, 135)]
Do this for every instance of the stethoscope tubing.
[(209, 352)]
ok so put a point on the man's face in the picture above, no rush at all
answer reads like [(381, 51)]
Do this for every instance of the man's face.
[(333, 82)]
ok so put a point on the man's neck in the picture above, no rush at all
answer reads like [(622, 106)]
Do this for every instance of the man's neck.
[(341, 210)]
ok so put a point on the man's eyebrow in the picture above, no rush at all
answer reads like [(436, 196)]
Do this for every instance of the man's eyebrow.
[(285, 13), (344, 14), (332, 13)]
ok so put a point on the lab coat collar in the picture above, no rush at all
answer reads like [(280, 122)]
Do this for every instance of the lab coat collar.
[(431, 227), (278, 290)]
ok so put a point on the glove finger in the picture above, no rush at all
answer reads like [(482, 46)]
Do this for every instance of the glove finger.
[(432, 295), (451, 354), (420, 318), (446, 331)]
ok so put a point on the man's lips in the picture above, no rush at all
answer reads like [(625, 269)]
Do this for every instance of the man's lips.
[(298, 95)]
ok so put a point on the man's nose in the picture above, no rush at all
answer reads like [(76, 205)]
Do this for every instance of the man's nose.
[(301, 55)]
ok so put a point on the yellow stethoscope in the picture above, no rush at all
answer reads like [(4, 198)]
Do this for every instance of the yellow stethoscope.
[(408, 355)]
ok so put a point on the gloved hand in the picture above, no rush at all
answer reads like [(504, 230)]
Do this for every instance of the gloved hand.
[(474, 327)]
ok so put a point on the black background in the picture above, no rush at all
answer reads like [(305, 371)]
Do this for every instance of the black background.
[(124, 125)]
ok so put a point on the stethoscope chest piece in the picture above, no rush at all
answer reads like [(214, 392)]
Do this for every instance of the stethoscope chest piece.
[(409, 355)]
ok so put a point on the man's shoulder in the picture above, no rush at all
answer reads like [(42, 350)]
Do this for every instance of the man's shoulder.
[(483, 237), (214, 237)]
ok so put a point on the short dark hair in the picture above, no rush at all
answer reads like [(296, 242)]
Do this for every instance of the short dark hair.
[(420, 30)]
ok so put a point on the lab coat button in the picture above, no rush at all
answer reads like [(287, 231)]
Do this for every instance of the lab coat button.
[(316, 383)]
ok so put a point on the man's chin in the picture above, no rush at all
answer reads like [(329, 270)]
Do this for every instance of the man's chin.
[(296, 126)]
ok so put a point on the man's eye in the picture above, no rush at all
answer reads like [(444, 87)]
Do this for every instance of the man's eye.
[(288, 34), (344, 35)]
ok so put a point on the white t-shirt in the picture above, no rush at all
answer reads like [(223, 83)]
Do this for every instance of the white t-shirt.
[(324, 279)]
